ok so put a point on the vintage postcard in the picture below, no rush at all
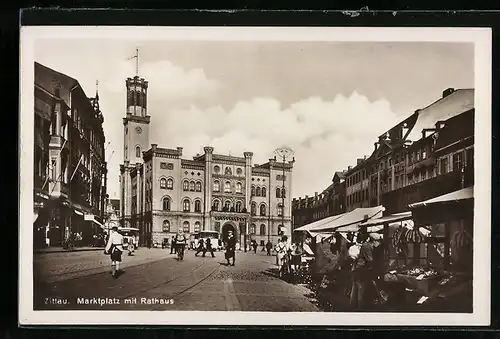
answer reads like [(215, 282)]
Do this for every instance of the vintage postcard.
[(255, 176)]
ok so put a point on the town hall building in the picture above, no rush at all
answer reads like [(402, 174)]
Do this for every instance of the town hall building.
[(161, 192)]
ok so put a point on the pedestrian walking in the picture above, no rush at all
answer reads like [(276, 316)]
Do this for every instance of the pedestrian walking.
[(114, 248), (172, 246), (296, 254), (254, 244), (208, 246), (230, 248), (281, 254), (269, 247), (201, 248)]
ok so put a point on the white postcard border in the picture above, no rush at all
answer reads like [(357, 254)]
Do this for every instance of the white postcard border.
[(481, 37)]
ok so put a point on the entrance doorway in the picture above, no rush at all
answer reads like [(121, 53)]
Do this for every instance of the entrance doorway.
[(226, 228)]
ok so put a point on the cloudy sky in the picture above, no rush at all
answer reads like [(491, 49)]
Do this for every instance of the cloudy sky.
[(327, 101)]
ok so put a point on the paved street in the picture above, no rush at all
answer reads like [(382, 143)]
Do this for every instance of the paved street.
[(154, 280)]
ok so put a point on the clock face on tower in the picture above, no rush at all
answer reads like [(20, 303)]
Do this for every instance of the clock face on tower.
[(138, 130)]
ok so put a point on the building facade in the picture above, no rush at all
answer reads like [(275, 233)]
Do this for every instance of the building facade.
[(161, 192), (428, 154), (412, 161), (330, 202), (69, 164)]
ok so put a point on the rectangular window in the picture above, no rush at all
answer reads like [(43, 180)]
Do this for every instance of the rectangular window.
[(458, 161), (54, 170), (444, 166)]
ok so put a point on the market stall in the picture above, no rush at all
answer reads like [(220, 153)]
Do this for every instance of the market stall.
[(430, 281)]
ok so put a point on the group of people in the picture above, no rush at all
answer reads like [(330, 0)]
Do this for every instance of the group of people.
[(359, 267), (288, 256)]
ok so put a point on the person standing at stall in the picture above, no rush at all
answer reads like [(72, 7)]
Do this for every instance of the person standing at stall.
[(114, 248)]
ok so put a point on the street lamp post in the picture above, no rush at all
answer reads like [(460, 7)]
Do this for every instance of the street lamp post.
[(283, 153)]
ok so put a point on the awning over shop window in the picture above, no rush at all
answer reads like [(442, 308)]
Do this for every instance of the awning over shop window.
[(453, 197)]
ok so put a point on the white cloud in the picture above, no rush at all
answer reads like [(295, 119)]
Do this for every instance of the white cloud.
[(166, 81), (326, 135)]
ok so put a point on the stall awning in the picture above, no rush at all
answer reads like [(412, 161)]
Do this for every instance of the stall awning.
[(457, 196), (353, 218), (318, 223), (387, 219)]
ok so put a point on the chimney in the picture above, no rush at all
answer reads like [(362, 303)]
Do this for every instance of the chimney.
[(448, 91), (349, 168), (179, 151), (375, 144), (153, 146), (364, 158), (359, 161)]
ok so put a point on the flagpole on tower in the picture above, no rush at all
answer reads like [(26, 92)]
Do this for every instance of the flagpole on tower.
[(137, 61)]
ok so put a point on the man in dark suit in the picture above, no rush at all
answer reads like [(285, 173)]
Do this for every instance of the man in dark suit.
[(230, 248)]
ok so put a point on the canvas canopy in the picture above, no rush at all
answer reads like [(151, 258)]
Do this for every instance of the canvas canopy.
[(350, 220), (387, 219), (318, 223), (457, 196)]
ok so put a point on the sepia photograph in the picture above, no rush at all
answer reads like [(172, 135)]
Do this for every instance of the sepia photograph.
[(274, 176)]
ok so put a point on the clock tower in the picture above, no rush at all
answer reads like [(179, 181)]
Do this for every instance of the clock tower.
[(136, 141)]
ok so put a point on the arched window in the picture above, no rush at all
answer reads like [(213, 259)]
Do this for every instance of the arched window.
[(263, 192), (138, 152), (197, 227), (262, 229), (166, 204), (166, 226), (227, 187), (163, 183), (278, 192), (216, 205), (280, 210), (227, 205), (216, 169), (254, 208), (252, 229), (186, 205), (228, 171), (216, 186), (198, 186), (253, 191), (239, 171), (170, 184), (262, 209), (185, 227), (185, 185), (283, 193), (197, 206), (238, 187), (192, 186), (238, 206), (257, 191)]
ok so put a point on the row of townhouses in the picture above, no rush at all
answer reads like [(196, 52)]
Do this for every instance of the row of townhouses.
[(69, 160), (428, 154)]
